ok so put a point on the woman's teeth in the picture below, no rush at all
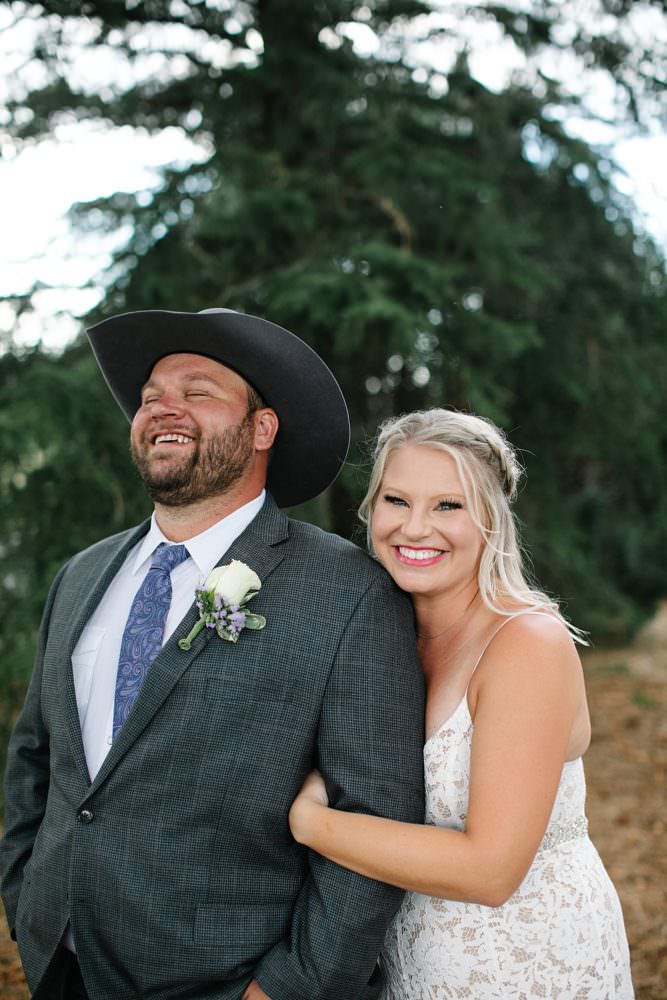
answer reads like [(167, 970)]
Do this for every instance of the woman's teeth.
[(419, 554)]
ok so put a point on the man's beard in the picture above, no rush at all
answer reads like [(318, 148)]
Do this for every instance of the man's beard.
[(213, 468)]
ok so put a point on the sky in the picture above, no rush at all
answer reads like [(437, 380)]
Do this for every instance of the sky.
[(37, 243), (84, 161)]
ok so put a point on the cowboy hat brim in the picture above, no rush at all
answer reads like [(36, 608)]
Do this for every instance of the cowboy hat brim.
[(314, 434)]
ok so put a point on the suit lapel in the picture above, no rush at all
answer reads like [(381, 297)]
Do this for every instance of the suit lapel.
[(260, 547), (90, 591)]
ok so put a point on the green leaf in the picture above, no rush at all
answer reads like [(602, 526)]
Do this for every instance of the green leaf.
[(254, 622)]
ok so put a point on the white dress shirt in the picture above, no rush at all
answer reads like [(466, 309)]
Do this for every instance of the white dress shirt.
[(95, 656)]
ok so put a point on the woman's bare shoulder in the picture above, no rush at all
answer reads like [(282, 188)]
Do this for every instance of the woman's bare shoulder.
[(537, 626), (530, 641)]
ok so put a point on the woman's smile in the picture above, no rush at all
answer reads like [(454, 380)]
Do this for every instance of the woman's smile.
[(411, 556)]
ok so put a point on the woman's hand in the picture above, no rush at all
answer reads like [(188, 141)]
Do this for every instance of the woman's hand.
[(255, 992), (314, 790), (313, 796)]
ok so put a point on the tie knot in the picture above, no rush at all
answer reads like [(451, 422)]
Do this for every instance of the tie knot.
[(169, 556)]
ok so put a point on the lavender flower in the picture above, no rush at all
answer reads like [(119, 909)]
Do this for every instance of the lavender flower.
[(237, 621)]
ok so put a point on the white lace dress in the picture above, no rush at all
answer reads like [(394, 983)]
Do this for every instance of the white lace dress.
[(560, 936)]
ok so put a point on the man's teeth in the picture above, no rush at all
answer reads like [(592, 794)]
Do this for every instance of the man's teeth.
[(179, 438), (419, 553)]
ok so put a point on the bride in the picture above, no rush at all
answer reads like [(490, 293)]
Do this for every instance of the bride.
[(508, 897)]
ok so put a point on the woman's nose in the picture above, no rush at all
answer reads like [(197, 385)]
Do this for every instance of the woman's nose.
[(416, 524)]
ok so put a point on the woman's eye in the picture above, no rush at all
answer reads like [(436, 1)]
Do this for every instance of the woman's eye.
[(398, 501), (450, 505)]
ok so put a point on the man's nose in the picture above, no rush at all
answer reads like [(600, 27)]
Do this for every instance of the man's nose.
[(169, 403)]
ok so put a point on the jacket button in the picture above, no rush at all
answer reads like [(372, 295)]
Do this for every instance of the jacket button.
[(86, 816)]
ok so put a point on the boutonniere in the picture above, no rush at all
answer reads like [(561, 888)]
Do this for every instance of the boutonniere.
[(222, 603)]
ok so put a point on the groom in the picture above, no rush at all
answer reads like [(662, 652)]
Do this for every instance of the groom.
[(146, 849)]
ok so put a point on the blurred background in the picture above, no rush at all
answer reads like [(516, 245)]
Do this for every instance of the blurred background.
[(459, 204)]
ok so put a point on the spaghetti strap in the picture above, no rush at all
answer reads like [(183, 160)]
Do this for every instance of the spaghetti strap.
[(464, 698), (509, 618)]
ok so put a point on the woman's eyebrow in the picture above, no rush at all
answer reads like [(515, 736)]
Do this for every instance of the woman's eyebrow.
[(434, 496)]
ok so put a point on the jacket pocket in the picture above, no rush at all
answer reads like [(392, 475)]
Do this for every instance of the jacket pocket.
[(242, 932), (240, 691)]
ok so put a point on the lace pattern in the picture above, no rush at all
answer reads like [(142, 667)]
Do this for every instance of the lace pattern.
[(559, 937)]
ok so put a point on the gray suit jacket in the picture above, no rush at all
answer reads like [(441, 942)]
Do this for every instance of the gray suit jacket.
[(175, 866)]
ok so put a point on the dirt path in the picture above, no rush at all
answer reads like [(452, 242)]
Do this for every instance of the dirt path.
[(626, 769)]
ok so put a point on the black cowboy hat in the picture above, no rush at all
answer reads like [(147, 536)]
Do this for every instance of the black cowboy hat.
[(314, 433)]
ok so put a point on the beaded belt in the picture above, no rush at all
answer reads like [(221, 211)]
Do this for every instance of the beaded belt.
[(561, 833)]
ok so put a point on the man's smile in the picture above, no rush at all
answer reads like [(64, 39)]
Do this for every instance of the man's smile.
[(171, 438)]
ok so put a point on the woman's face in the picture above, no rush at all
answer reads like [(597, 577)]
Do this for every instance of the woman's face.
[(421, 529)]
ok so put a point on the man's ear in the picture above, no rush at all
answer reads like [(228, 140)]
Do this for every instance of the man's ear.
[(266, 428)]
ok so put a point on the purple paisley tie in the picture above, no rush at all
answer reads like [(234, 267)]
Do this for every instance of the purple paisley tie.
[(144, 629)]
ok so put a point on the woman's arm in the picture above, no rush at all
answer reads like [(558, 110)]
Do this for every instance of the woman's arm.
[(528, 686)]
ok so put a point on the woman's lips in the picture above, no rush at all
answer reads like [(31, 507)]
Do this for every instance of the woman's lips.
[(410, 556)]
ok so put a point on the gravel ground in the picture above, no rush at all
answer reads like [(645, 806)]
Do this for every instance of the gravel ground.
[(626, 769)]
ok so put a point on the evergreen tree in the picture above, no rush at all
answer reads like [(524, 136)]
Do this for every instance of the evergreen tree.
[(436, 245)]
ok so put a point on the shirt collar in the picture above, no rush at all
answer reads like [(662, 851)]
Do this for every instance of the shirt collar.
[(208, 547)]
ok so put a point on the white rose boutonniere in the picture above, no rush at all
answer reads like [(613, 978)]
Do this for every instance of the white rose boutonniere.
[(222, 603)]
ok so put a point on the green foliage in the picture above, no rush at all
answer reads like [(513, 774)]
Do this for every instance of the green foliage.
[(65, 480), (436, 246)]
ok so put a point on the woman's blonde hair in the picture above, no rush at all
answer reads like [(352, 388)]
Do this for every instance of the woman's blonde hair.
[(490, 472)]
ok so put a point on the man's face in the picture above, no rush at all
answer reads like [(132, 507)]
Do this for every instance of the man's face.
[(192, 437)]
